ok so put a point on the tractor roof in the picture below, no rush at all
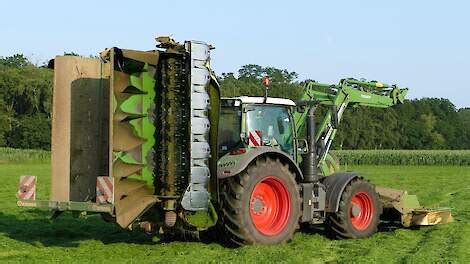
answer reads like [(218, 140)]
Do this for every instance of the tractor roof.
[(260, 100)]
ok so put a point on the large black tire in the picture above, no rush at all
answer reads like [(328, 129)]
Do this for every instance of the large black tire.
[(243, 205), (358, 214)]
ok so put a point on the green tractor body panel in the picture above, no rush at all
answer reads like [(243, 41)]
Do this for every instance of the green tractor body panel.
[(235, 162)]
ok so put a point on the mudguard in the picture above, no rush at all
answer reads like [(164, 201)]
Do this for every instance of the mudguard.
[(335, 185), (235, 162)]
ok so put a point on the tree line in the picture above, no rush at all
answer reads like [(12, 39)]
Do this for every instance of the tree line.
[(427, 123)]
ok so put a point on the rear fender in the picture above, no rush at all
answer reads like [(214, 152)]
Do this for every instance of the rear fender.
[(231, 165), (335, 185)]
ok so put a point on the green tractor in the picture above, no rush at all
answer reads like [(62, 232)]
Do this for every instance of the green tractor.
[(144, 139)]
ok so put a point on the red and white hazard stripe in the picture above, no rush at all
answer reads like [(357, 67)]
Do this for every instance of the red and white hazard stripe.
[(104, 190), (255, 138), (27, 188)]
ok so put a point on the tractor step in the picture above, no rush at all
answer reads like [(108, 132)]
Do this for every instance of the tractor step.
[(410, 211)]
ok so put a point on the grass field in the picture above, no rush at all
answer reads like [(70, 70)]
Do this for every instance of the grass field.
[(28, 236)]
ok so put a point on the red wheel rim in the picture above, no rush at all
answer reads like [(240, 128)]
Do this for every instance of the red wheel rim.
[(270, 206), (362, 210)]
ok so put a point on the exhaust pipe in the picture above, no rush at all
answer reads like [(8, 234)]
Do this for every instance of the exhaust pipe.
[(310, 162)]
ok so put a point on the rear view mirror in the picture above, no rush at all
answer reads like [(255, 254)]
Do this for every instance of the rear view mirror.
[(302, 146)]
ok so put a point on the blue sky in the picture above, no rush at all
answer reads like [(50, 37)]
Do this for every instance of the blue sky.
[(423, 45)]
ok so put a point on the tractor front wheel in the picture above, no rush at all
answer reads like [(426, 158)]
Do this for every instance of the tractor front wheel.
[(261, 204), (358, 213)]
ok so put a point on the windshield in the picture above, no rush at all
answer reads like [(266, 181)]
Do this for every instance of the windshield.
[(229, 129), (273, 123)]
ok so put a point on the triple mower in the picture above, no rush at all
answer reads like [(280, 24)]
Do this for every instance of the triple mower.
[(145, 139)]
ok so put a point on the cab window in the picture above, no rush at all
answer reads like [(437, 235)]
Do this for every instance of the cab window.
[(273, 123), (229, 129)]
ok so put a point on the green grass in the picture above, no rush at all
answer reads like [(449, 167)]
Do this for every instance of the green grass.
[(28, 236)]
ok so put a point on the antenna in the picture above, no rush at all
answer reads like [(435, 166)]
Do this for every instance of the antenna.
[(265, 81)]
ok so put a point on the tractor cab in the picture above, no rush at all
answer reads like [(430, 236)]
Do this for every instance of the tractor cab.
[(248, 122)]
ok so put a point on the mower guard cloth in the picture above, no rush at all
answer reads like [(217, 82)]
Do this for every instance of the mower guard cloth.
[(411, 212)]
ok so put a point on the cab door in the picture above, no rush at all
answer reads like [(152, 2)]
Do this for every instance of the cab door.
[(269, 125)]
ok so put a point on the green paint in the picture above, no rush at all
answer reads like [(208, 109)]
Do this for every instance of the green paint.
[(137, 106), (214, 96), (409, 202)]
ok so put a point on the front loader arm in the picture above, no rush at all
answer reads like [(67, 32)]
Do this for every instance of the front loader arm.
[(398, 205), (338, 97)]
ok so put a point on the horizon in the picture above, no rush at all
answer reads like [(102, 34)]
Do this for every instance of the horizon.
[(419, 45)]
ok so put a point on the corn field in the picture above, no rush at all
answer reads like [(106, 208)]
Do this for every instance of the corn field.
[(21, 155), (346, 157), (403, 157)]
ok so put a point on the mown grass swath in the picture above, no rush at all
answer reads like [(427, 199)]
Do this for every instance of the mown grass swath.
[(404, 157)]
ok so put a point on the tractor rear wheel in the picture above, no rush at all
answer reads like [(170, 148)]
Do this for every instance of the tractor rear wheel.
[(261, 205), (358, 213)]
